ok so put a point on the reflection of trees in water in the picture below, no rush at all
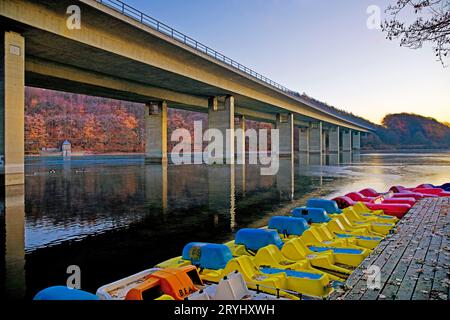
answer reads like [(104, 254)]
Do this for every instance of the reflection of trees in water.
[(83, 193)]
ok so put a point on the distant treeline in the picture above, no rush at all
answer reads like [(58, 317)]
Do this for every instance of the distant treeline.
[(103, 125), (94, 124), (89, 123), (408, 130)]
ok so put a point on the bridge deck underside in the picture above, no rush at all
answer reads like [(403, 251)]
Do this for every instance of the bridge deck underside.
[(109, 44)]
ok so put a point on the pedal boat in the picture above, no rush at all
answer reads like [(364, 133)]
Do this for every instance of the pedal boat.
[(369, 192), (391, 209), (427, 192), (445, 186), (165, 284), (358, 197), (334, 228), (325, 258), (214, 261), (183, 283), (379, 224), (331, 207), (358, 216), (361, 209), (292, 227)]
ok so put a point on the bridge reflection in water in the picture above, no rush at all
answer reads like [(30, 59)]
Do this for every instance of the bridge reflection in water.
[(13, 216)]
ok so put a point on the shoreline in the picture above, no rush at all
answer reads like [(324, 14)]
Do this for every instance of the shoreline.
[(367, 151)]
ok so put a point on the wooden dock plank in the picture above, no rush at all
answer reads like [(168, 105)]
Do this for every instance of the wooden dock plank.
[(401, 248), (414, 262), (378, 258), (416, 268)]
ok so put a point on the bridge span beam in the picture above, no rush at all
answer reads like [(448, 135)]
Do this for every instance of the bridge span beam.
[(12, 110)]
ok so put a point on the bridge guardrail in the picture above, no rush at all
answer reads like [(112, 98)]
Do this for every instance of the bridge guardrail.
[(161, 27), (139, 16)]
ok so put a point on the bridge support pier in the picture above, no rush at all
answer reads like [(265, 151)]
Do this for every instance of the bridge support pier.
[(156, 132), (303, 139), (316, 138), (346, 140), (240, 140), (12, 108), (364, 138), (285, 125), (221, 117), (333, 140), (356, 143), (325, 135)]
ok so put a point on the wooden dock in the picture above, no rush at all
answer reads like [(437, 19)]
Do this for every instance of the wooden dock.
[(414, 261)]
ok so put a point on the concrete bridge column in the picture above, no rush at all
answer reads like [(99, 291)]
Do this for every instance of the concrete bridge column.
[(156, 132), (324, 140), (239, 146), (316, 138), (333, 140), (364, 138), (285, 125), (12, 101), (346, 140), (303, 139), (356, 143), (221, 117)]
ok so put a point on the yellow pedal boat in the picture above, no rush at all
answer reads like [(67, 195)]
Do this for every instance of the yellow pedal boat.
[(214, 261)]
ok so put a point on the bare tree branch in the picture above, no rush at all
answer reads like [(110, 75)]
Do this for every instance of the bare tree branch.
[(431, 24)]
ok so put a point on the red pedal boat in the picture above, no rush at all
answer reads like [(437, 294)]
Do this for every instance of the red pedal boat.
[(427, 192), (372, 193), (356, 196), (393, 209)]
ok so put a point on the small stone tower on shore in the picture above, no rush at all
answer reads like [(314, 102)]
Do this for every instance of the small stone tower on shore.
[(66, 149)]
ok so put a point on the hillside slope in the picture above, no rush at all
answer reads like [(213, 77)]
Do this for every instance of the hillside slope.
[(407, 130)]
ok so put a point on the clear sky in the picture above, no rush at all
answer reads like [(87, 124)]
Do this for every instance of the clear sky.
[(320, 47)]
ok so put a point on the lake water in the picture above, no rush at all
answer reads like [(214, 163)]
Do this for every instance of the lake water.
[(114, 216)]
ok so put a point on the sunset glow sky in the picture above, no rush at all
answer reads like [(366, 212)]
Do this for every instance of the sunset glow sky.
[(320, 47)]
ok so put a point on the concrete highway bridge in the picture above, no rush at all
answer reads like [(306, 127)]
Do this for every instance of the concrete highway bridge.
[(119, 52)]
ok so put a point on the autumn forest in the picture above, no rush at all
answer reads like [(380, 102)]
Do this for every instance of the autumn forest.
[(100, 125)]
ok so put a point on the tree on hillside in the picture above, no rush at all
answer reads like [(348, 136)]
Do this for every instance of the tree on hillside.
[(419, 138), (431, 24), (412, 129)]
